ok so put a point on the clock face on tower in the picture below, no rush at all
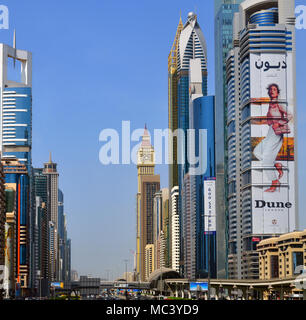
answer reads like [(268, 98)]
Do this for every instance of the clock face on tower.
[(146, 157)]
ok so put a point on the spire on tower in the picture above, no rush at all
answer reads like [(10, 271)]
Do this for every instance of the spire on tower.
[(14, 46)]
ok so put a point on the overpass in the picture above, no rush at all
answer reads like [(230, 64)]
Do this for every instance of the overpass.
[(258, 289)]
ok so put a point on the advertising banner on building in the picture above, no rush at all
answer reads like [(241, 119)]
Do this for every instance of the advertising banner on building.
[(272, 143), (210, 205)]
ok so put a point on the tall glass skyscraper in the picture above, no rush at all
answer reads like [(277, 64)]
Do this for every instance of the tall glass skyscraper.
[(261, 126), (189, 44), (224, 15), (198, 195), (16, 107)]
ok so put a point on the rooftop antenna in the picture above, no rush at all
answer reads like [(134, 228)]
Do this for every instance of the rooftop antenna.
[(14, 46)]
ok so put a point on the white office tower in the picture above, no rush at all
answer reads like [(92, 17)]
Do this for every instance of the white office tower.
[(175, 229), (261, 126), (16, 104)]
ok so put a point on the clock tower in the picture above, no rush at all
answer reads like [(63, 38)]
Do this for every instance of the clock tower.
[(148, 185), (145, 157)]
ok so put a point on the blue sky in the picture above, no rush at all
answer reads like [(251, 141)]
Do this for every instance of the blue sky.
[(96, 63)]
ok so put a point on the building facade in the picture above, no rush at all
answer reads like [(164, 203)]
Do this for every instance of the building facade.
[(282, 257), (198, 195), (148, 185), (261, 131), (191, 45), (149, 261), (175, 230), (50, 170), (173, 109), (2, 227), (9, 284), (224, 16), (16, 106), (161, 232), (42, 276), (17, 181)]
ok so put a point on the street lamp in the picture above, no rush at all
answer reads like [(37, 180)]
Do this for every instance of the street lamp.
[(126, 261)]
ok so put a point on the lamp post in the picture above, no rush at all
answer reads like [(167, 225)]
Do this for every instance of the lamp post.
[(126, 261)]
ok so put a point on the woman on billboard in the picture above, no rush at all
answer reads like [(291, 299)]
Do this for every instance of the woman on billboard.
[(268, 149)]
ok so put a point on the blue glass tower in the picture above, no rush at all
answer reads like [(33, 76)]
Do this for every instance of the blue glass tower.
[(224, 16), (198, 191), (191, 45), (203, 119), (17, 124)]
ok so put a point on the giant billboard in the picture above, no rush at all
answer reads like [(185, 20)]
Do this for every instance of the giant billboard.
[(272, 143)]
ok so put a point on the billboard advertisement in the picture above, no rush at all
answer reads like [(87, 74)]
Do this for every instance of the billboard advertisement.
[(198, 286), (59, 285), (272, 143), (210, 206)]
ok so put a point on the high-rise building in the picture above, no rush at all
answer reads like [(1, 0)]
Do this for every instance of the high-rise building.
[(2, 227), (173, 107), (68, 260), (148, 185), (42, 273), (157, 229), (261, 130), (166, 230), (198, 195), (17, 180), (149, 261), (175, 230), (9, 283), (189, 44), (61, 235), (161, 232), (16, 106), (224, 15), (50, 170)]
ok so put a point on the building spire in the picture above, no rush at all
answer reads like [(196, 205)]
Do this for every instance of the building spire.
[(146, 138), (14, 46), (50, 158)]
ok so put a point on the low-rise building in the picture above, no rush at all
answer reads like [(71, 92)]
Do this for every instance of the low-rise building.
[(282, 257)]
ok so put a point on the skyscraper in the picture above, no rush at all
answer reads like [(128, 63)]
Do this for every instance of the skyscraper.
[(189, 44), (17, 180), (42, 239), (261, 126), (2, 227), (224, 15), (9, 283), (52, 207), (173, 106), (161, 232), (175, 230), (148, 185), (61, 235), (16, 106), (198, 195)]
